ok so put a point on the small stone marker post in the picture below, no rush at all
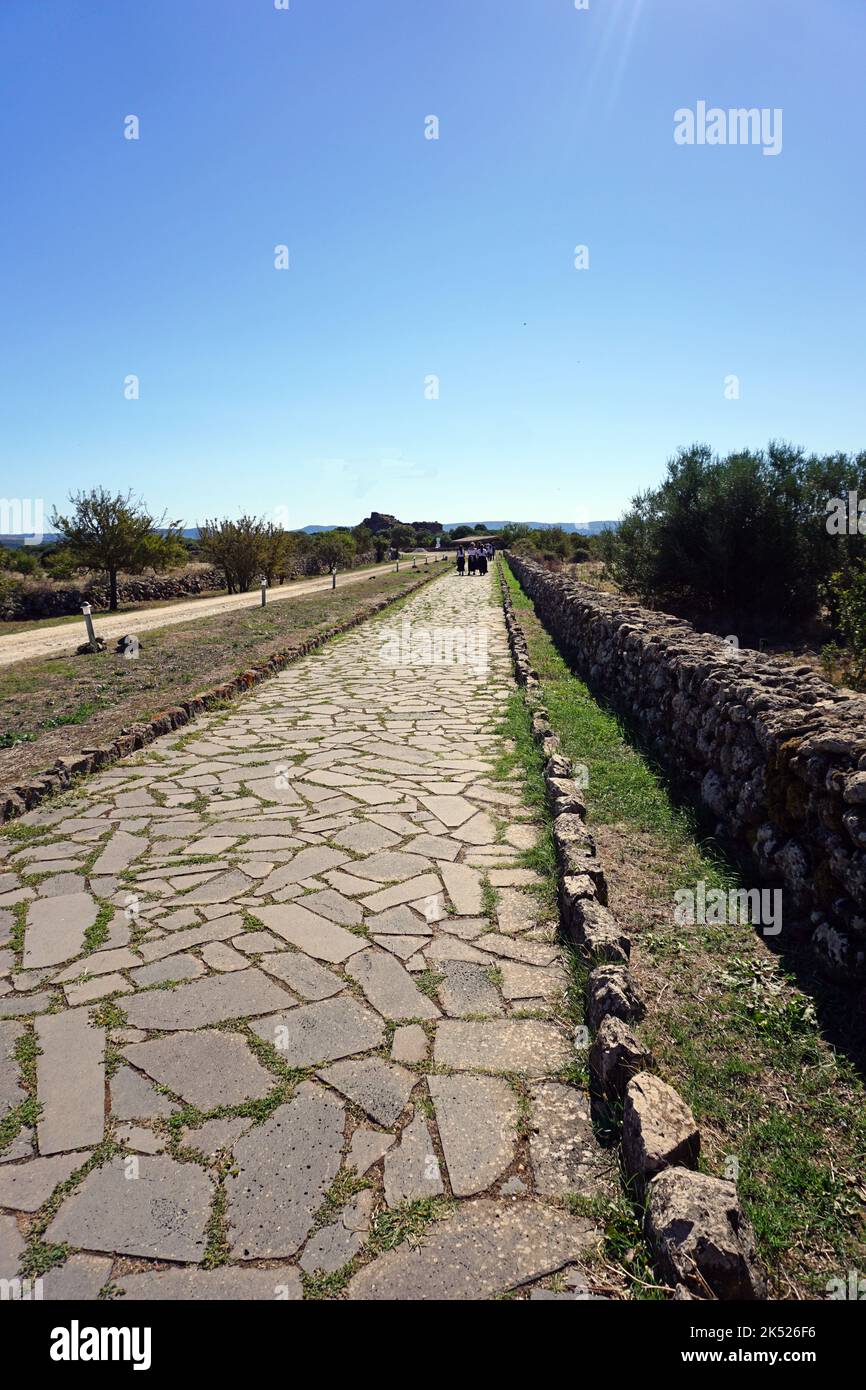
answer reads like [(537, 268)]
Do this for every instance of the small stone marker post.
[(88, 622), (264, 586), (333, 576)]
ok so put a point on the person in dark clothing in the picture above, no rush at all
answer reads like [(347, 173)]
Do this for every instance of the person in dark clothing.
[(482, 561), (473, 560), (461, 560)]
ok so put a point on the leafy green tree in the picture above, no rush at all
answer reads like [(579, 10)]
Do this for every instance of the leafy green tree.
[(237, 548), (848, 589), (114, 533), (336, 548)]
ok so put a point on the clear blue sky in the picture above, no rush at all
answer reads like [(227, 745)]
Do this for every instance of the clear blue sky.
[(561, 391)]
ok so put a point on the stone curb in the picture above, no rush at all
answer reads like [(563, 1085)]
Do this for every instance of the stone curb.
[(660, 1134), (15, 801)]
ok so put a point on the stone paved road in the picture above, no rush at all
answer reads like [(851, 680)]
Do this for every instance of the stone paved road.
[(272, 1020)]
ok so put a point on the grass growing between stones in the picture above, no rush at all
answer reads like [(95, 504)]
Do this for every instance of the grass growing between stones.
[(753, 1048)]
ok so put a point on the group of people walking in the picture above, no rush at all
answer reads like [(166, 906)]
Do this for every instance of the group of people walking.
[(474, 559)]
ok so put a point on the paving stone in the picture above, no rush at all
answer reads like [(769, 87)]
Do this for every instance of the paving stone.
[(25, 1186), (388, 987), (220, 929), (331, 904), (566, 1156), (444, 948), (525, 1045), (221, 1133), (119, 853), (222, 889), (97, 988), (220, 956), (331, 1248), (11, 1247), (450, 810), (11, 1094), (207, 1069), (70, 1081), (311, 933), (61, 885), (486, 1248), (160, 1215), (205, 1001), (140, 1140), (463, 886), (401, 946), (436, 847), (530, 952), (366, 1148), (467, 989), (409, 1044), (425, 886), (321, 1032), (98, 963), (252, 943), (55, 929), (391, 866), (180, 967), (477, 1118), (226, 1284), (133, 1098), (303, 975), (306, 864), (401, 921), (366, 838), (78, 1280), (531, 981), (412, 1169), (380, 1088), (284, 1168)]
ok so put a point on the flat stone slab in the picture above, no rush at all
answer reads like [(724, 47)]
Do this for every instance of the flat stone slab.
[(412, 1169), (468, 989), (56, 927), (380, 1088), (425, 886), (398, 921), (284, 1168), (463, 886), (391, 866), (485, 1248), (11, 1247), (205, 1001), (310, 933), (134, 1098), (159, 1215), (222, 889), (25, 1186), (322, 1032), (566, 1155), (119, 853), (207, 1068), (389, 987), (450, 810), (366, 1148), (477, 1118), (229, 1284), (304, 976), (331, 904), (366, 838), (523, 1045), (78, 1280), (409, 1044), (180, 967), (70, 1081), (11, 1094)]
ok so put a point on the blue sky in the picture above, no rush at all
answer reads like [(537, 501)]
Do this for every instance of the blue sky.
[(561, 392)]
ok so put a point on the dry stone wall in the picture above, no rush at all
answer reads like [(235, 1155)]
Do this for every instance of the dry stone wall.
[(775, 753)]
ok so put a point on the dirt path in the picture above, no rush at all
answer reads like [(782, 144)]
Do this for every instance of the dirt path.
[(303, 1050), (63, 640)]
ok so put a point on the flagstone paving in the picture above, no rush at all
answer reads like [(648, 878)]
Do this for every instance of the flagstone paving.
[(278, 992)]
